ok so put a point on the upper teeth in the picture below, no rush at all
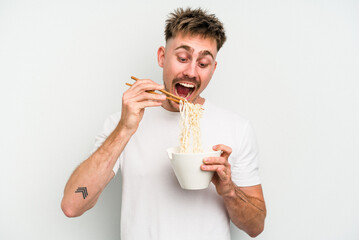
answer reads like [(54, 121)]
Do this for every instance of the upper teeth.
[(187, 85)]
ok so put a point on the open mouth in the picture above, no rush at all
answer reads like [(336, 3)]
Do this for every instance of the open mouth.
[(184, 90)]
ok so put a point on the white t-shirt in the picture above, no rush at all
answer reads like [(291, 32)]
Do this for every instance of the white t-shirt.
[(154, 206)]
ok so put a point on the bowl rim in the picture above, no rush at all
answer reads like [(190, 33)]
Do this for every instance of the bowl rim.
[(201, 153)]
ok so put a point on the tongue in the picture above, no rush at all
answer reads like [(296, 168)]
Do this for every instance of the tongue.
[(182, 91)]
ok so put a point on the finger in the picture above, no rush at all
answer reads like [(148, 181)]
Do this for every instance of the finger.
[(130, 100), (211, 168), (141, 81), (226, 151), (144, 82), (219, 169), (148, 97), (146, 104), (216, 161), (145, 85), (132, 92), (222, 174)]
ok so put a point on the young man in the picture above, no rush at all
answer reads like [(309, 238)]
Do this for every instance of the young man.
[(153, 204)]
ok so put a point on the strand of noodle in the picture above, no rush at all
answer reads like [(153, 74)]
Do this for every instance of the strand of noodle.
[(190, 127), (184, 141), (195, 127)]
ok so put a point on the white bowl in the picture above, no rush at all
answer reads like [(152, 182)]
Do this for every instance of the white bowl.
[(187, 167)]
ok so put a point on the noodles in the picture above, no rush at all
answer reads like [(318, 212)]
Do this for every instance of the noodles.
[(190, 129)]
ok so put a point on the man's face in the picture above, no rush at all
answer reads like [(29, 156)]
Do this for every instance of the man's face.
[(188, 64)]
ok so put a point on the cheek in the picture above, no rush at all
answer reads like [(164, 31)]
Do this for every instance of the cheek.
[(173, 69), (169, 73), (168, 66), (206, 74), (205, 77)]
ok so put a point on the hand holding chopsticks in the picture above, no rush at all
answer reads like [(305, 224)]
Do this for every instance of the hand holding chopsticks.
[(169, 96), (134, 102)]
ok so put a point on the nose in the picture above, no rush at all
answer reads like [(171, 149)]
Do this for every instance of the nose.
[(190, 71)]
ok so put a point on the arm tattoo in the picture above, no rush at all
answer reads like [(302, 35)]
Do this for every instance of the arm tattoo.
[(82, 190)]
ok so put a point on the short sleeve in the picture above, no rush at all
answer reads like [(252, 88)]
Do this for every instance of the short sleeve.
[(109, 125), (244, 165)]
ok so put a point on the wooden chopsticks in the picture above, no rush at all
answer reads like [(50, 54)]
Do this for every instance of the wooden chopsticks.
[(153, 92), (169, 95)]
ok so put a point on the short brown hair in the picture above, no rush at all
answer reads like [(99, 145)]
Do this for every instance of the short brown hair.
[(195, 22)]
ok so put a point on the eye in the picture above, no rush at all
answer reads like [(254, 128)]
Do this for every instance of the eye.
[(181, 59), (203, 65)]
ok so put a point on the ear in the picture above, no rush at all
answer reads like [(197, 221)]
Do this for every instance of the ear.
[(215, 66), (161, 56)]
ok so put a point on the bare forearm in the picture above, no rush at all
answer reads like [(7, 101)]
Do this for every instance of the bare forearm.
[(246, 212), (91, 177)]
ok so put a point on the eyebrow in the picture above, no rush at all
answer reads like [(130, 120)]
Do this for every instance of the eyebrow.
[(205, 53), (201, 53), (185, 47)]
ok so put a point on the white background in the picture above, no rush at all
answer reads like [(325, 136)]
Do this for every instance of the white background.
[(291, 67)]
